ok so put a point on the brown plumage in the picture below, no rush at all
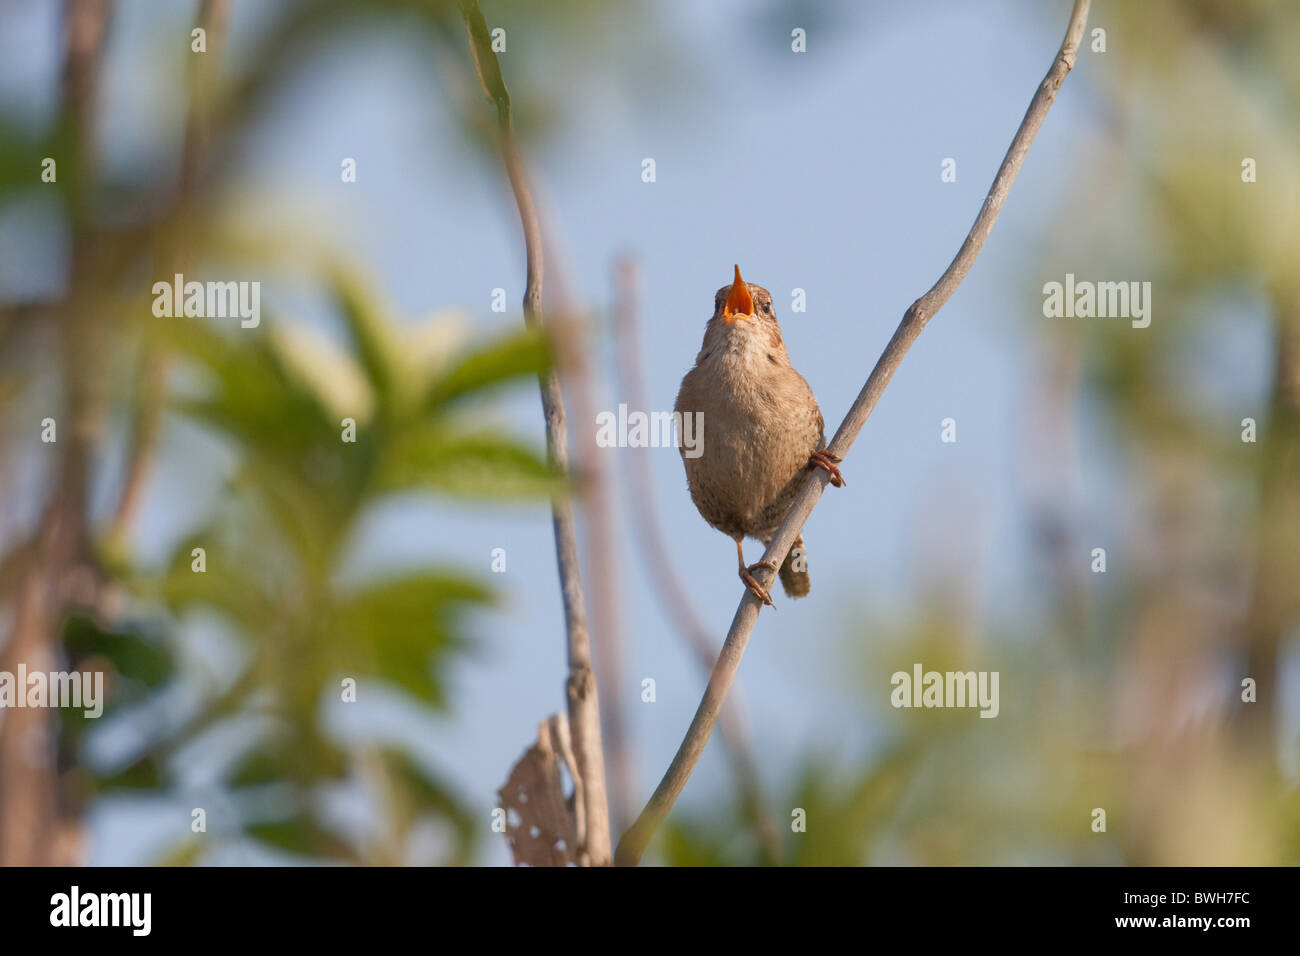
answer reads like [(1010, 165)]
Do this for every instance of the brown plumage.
[(762, 428)]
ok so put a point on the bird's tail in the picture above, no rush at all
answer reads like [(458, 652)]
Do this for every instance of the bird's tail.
[(794, 571)]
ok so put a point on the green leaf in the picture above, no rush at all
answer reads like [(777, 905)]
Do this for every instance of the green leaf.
[(401, 630), (302, 836), (485, 59), (527, 352), (132, 656), (233, 583), (315, 364), (482, 465), (376, 338), (256, 768), (185, 852), (850, 819), (293, 752), (20, 159), (143, 774), (258, 402), (431, 794), (689, 844)]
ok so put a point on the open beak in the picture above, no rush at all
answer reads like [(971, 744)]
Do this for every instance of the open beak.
[(739, 302)]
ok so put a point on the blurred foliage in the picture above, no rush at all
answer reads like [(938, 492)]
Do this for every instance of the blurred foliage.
[(274, 551), (281, 399)]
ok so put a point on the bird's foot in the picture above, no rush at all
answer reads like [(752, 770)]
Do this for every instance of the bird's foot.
[(747, 575), (824, 459)]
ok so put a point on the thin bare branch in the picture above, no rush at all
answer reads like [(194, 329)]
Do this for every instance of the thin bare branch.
[(634, 841), (583, 703), (595, 473), (146, 428)]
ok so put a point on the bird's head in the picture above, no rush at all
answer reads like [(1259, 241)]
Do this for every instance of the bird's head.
[(743, 302)]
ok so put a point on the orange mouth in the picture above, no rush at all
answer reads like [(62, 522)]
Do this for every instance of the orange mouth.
[(739, 302)]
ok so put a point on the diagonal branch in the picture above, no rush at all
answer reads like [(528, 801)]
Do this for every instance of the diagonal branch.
[(583, 704), (634, 841)]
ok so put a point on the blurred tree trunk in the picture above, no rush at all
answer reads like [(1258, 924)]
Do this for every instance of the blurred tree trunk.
[(32, 832)]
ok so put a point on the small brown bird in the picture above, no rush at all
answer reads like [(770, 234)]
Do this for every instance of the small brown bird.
[(762, 428)]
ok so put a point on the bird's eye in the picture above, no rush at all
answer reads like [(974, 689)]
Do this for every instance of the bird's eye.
[(767, 307)]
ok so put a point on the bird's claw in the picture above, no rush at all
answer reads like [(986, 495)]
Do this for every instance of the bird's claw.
[(824, 459), (747, 575)]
